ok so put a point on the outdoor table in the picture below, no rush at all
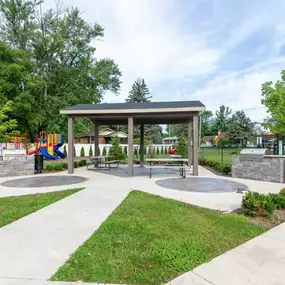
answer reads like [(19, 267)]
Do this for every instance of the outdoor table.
[(99, 160), (168, 163)]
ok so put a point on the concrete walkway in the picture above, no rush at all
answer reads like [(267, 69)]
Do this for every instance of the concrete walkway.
[(259, 261)]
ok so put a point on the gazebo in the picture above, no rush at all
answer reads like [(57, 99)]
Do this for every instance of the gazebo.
[(182, 112)]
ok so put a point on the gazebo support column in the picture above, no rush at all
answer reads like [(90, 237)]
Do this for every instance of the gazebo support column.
[(142, 146), (96, 139), (130, 145), (70, 145), (195, 145), (190, 150)]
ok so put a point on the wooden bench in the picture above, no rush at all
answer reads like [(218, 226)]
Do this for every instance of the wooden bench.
[(112, 162), (181, 168), (106, 163)]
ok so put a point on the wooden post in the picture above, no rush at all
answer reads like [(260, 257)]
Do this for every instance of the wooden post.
[(70, 145), (142, 146), (195, 145), (190, 152), (96, 139), (130, 146)]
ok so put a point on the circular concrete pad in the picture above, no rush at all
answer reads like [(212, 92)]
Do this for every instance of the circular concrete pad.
[(202, 184), (44, 181)]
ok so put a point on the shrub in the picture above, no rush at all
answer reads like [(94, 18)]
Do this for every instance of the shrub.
[(64, 150), (90, 151), (104, 152), (227, 169), (75, 164), (282, 192), (278, 200), (256, 204), (138, 141), (82, 152), (126, 150), (157, 151), (82, 163), (64, 165), (165, 150), (98, 151), (57, 167), (144, 150), (150, 151), (116, 151), (139, 152), (182, 147), (74, 151), (49, 167), (136, 152)]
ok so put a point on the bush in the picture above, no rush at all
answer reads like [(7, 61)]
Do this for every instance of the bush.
[(74, 151), (90, 151), (64, 165), (98, 151), (57, 167), (126, 150), (136, 152), (149, 150), (82, 152), (165, 150), (282, 192), (227, 169), (116, 151), (256, 204), (216, 165), (182, 147), (82, 163), (104, 153), (64, 150), (144, 150), (157, 151), (138, 141), (49, 167), (278, 200), (75, 164)]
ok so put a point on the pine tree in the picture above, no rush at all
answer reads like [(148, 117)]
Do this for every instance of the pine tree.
[(182, 147), (165, 150), (144, 150), (99, 151), (136, 152), (74, 151), (91, 151), (64, 150), (116, 151), (82, 152), (126, 150), (157, 151), (139, 92), (104, 153)]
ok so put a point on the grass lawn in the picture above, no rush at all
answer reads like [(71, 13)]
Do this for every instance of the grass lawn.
[(215, 154), (14, 208), (150, 240)]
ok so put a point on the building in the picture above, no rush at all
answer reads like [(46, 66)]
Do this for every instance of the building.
[(170, 140), (105, 137)]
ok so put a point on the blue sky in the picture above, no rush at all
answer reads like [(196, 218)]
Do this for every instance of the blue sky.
[(215, 51)]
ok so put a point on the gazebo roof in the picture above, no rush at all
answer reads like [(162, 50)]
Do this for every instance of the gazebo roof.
[(143, 113)]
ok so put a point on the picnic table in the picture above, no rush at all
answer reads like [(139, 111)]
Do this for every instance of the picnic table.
[(172, 163), (102, 162)]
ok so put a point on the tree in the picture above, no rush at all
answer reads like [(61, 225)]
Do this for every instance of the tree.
[(139, 92), (182, 147), (74, 151), (64, 150), (6, 124), (82, 152), (91, 151), (58, 65), (144, 150), (116, 151), (98, 151), (206, 123), (221, 121), (136, 152), (104, 153), (241, 129), (177, 130), (125, 150), (273, 97), (157, 151), (165, 150)]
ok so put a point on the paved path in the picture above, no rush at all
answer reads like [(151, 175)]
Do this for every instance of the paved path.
[(259, 261)]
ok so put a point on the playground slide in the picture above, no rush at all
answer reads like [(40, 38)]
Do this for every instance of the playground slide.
[(58, 152), (33, 152), (45, 153)]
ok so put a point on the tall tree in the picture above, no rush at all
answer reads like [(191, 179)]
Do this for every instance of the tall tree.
[(139, 92), (221, 121), (273, 97), (60, 45), (206, 123), (241, 128)]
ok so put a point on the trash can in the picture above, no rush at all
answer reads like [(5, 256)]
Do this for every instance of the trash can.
[(39, 163)]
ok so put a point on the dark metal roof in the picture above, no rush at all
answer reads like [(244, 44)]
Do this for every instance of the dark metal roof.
[(120, 106)]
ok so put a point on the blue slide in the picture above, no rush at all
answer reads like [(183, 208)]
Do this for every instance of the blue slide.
[(58, 152), (45, 153)]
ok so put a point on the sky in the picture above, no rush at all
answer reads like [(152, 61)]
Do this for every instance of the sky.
[(215, 51)]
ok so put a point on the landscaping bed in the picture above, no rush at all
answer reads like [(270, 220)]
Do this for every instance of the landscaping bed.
[(216, 167), (150, 240)]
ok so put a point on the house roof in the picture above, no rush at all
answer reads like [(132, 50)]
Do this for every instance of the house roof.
[(143, 113), (170, 139)]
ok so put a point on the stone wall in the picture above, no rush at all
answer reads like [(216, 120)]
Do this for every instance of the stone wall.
[(258, 167), (17, 167)]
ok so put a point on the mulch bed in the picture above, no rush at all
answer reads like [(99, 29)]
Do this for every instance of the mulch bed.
[(276, 219)]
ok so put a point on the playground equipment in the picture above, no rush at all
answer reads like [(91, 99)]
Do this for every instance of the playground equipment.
[(48, 145), (172, 151), (16, 141)]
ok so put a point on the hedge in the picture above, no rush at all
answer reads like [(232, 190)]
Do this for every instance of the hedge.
[(223, 168), (59, 166)]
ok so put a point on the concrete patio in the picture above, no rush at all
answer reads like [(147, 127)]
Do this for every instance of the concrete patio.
[(33, 247)]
